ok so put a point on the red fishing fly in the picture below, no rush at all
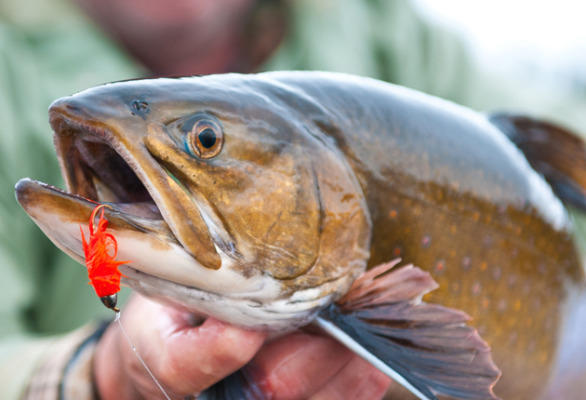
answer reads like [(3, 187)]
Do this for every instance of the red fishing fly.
[(100, 253)]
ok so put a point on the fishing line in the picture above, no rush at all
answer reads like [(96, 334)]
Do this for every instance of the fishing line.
[(117, 319)]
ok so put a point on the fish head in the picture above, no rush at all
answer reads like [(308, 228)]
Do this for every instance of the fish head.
[(226, 199)]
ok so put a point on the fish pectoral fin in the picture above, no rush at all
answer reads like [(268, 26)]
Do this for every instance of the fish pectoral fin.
[(427, 348), (555, 152)]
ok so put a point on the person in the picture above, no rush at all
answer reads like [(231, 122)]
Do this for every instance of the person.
[(55, 52), (211, 36)]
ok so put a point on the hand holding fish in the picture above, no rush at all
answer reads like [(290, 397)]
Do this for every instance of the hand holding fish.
[(191, 358)]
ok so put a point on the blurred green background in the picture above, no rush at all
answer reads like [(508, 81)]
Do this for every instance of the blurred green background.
[(488, 55), (50, 49)]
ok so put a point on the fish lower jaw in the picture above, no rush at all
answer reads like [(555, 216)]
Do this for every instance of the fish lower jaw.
[(252, 312), (148, 244)]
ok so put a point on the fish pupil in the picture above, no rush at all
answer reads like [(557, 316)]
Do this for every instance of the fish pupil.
[(207, 138)]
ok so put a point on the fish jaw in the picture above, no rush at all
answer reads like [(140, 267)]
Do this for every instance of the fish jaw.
[(93, 153), (148, 243), (160, 268)]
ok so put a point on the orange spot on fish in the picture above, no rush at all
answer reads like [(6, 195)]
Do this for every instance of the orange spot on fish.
[(483, 266), (100, 252), (393, 214), (397, 251)]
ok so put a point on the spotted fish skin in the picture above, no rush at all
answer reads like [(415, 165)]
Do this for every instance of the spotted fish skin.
[(448, 192), (320, 175)]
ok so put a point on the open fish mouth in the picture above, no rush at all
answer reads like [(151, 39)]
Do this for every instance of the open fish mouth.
[(94, 173), (100, 165), (44, 203), (94, 170)]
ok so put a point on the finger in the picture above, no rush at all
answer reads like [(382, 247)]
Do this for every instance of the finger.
[(185, 358), (297, 365), (196, 358), (358, 380), (193, 358)]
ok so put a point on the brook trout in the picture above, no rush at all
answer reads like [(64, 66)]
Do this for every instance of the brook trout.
[(259, 199)]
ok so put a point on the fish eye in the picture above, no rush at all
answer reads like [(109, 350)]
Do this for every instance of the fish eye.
[(207, 138), (204, 136)]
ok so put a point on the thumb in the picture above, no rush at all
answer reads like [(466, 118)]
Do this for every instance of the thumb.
[(186, 359)]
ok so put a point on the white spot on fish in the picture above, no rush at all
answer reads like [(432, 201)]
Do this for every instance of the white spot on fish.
[(496, 273), (476, 288), (466, 263), (502, 305)]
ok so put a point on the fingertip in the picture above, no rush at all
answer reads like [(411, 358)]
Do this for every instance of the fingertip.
[(186, 356), (379, 382), (297, 365), (230, 342), (196, 357), (357, 380)]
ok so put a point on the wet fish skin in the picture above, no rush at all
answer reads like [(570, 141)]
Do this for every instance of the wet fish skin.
[(337, 173), (448, 192)]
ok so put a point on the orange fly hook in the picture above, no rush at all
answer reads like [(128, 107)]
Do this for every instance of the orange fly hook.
[(100, 253)]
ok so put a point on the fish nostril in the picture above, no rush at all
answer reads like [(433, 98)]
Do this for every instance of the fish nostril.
[(67, 107), (72, 107), (139, 107)]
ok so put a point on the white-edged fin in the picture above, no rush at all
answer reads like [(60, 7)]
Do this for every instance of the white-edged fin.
[(427, 348), (357, 348)]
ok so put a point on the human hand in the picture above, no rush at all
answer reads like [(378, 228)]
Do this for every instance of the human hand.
[(187, 359)]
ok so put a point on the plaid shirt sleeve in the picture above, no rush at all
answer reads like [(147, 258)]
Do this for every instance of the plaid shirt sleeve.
[(65, 370)]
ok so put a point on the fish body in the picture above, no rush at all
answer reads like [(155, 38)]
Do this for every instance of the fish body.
[(448, 192), (259, 199)]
